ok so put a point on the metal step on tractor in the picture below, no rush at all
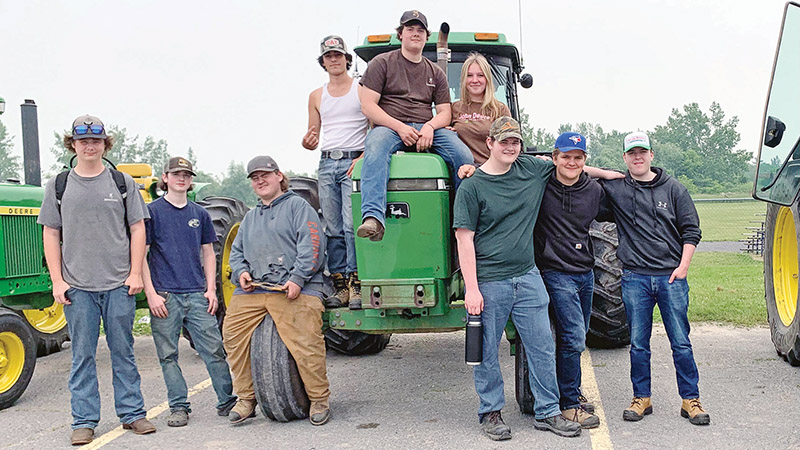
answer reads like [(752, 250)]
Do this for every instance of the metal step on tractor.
[(778, 182), (410, 280)]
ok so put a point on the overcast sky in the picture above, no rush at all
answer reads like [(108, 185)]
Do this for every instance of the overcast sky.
[(231, 79)]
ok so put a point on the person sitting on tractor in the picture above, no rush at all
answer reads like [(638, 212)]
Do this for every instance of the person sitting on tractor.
[(563, 253), (181, 289), (276, 261), (399, 88), (94, 244), (658, 232), (335, 109)]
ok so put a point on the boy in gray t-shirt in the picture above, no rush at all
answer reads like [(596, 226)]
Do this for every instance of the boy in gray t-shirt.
[(95, 264)]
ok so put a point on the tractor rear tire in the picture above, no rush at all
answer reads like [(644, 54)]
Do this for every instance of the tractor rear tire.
[(780, 279), (307, 188), (226, 215), (17, 356), (279, 389), (49, 328), (522, 385), (355, 343), (608, 326)]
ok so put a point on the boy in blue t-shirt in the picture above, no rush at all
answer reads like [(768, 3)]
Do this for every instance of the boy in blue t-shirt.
[(181, 289)]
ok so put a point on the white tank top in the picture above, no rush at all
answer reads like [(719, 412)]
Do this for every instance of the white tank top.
[(344, 126)]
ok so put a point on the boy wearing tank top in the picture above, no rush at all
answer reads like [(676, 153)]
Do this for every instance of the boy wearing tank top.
[(335, 109)]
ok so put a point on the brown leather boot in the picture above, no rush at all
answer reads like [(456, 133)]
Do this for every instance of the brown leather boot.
[(82, 436), (371, 228), (243, 410), (355, 291), (319, 413), (640, 407), (692, 410), (342, 295), (581, 416)]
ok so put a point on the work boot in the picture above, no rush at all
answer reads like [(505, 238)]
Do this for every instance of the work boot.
[(141, 426), (342, 295), (692, 410), (243, 410), (494, 427), (178, 418), (640, 407), (355, 291), (319, 413), (559, 425), (581, 416), (371, 228), (82, 436), (585, 404)]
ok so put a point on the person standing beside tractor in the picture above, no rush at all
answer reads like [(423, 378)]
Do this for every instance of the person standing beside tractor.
[(494, 215), (180, 284), (658, 232), (563, 250), (335, 109), (94, 244), (398, 89), (276, 262), (478, 108)]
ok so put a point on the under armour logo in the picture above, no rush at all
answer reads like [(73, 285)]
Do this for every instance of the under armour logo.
[(662, 205)]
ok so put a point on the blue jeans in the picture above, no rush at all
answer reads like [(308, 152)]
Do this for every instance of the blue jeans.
[(117, 309), (191, 311), (381, 143), (525, 299), (571, 304), (335, 188), (641, 293)]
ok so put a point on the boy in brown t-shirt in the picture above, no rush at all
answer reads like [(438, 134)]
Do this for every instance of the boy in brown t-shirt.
[(399, 88)]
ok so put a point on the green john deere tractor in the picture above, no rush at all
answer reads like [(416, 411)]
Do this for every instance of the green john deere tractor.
[(410, 280), (31, 323), (778, 182)]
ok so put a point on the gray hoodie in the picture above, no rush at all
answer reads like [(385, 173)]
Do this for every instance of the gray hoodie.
[(280, 242)]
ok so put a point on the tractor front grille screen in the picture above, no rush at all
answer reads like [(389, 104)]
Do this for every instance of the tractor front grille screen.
[(22, 238)]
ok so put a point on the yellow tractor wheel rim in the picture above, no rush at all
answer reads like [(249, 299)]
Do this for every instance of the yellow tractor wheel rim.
[(784, 266), (49, 320), (225, 272), (12, 360)]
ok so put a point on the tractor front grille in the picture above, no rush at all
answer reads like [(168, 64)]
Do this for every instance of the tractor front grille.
[(22, 242)]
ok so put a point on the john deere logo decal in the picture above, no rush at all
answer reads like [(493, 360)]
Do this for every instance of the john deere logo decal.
[(397, 210)]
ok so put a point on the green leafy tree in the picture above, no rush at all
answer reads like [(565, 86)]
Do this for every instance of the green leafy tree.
[(539, 138), (236, 184), (10, 165)]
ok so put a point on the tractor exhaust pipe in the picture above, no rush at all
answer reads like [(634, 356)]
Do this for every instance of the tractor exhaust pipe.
[(30, 143), (442, 52)]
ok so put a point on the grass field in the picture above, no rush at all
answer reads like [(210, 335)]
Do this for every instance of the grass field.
[(729, 221), (726, 288)]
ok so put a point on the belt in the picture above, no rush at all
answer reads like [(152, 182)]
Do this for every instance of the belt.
[(338, 154)]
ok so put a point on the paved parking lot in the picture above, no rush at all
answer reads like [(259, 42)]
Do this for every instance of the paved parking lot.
[(418, 393)]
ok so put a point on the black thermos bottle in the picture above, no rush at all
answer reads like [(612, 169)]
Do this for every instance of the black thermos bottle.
[(473, 350)]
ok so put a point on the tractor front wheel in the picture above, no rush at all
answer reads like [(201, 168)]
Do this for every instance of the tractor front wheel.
[(608, 326), (49, 328), (17, 357), (355, 343), (780, 279)]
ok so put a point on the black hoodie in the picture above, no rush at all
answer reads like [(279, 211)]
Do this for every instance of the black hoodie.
[(561, 237), (654, 221)]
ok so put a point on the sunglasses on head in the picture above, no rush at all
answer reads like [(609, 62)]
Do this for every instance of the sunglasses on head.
[(86, 129)]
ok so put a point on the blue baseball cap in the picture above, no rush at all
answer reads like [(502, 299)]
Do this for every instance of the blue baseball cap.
[(571, 141)]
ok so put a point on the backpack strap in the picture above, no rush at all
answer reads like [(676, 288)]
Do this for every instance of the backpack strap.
[(61, 186), (122, 187)]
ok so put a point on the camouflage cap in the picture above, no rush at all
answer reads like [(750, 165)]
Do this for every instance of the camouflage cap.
[(332, 43), (505, 127), (179, 164), (261, 163), (414, 16)]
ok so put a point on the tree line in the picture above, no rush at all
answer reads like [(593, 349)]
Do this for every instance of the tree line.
[(695, 146)]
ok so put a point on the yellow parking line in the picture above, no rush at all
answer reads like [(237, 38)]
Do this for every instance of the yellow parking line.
[(151, 414), (601, 439)]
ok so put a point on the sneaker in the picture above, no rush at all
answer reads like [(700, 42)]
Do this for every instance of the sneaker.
[(178, 418), (494, 427), (581, 416), (559, 425), (371, 228), (692, 410), (141, 426), (588, 407), (640, 407), (226, 410), (341, 294), (319, 413), (82, 436), (243, 410), (355, 291)]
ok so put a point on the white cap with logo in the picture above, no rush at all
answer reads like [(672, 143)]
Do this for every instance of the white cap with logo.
[(636, 139)]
